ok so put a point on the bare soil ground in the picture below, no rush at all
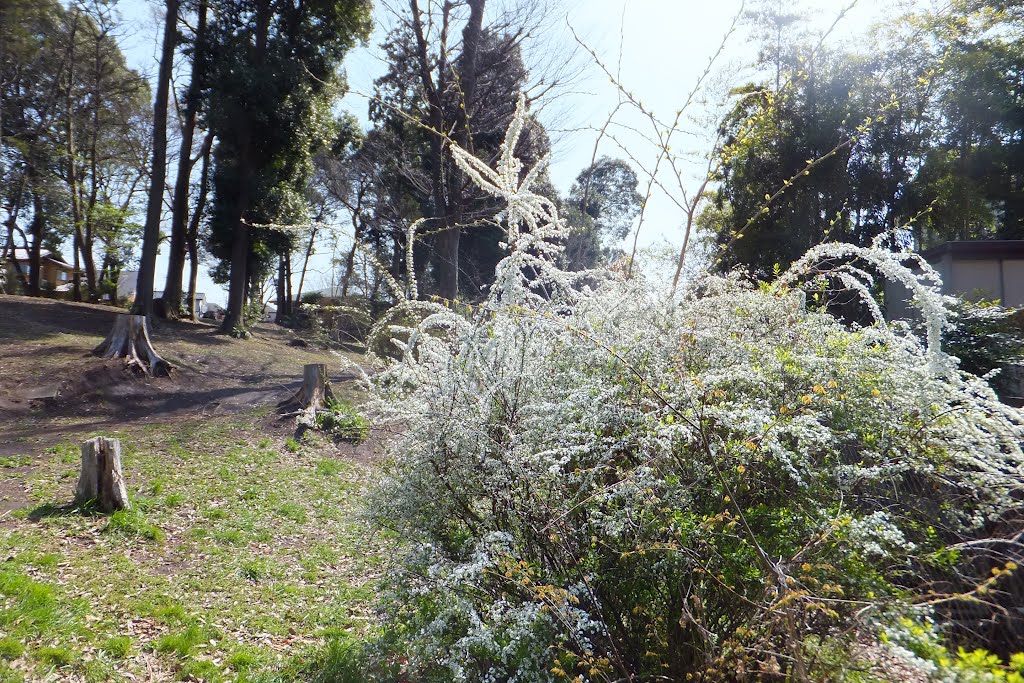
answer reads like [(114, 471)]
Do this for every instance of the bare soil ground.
[(47, 371)]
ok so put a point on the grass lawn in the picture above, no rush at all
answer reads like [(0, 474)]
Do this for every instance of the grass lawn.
[(240, 551), (244, 551)]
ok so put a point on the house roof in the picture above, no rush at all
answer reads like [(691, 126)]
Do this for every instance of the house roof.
[(977, 249), (199, 295), (61, 263), (22, 255)]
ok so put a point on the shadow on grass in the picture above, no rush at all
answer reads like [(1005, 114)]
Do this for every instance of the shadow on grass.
[(72, 509)]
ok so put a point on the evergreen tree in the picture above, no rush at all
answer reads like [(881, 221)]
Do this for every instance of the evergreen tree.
[(273, 72), (432, 86)]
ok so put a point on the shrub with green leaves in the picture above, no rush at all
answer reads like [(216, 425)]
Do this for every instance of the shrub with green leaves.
[(600, 482), (984, 336), (345, 320), (343, 421)]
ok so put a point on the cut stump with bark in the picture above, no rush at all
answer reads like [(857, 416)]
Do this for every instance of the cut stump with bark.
[(101, 481), (315, 391), (315, 388), (129, 339)]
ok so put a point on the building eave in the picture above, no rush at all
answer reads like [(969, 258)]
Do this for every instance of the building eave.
[(976, 249)]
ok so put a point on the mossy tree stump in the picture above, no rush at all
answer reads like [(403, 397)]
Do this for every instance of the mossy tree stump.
[(101, 481)]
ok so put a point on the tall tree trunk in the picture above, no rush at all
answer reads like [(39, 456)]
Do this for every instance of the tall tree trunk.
[(350, 263), (397, 257), (448, 266), (76, 274), (179, 205), (447, 245), (81, 244), (468, 72), (305, 265), (234, 319), (446, 180), (76, 206), (151, 233), (350, 258), (279, 315), (192, 237), (12, 251), (13, 211), (35, 269), (288, 283), (106, 273), (193, 278), (90, 213)]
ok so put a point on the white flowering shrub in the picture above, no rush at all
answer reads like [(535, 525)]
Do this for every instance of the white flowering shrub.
[(597, 483)]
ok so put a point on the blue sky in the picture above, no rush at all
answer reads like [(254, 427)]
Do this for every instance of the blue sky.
[(665, 47)]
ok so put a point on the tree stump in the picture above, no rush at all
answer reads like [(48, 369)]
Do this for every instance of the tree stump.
[(101, 480), (130, 340), (315, 391), (315, 388)]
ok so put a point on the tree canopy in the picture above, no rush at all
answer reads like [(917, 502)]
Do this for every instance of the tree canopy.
[(74, 141), (921, 132)]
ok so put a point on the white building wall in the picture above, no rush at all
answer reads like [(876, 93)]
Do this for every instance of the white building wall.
[(1013, 283), (975, 279)]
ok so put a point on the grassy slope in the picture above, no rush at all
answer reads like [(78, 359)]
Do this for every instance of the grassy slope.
[(244, 546)]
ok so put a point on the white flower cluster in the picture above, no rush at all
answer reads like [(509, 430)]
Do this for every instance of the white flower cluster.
[(567, 456), (878, 536)]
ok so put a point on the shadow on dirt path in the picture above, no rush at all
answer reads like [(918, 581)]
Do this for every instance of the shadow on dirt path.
[(51, 385)]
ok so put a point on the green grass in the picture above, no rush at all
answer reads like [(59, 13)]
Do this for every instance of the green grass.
[(328, 467), (15, 461), (32, 615), (199, 670), (182, 643), (56, 656), (255, 570), (10, 648), (233, 537), (133, 523), (294, 512), (118, 647), (65, 452)]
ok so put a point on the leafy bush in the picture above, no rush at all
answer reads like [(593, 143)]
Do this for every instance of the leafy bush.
[(918, 640), (984, 336), (598, 482), (312, 297), (341, 320), (343, 421), (252, 313)]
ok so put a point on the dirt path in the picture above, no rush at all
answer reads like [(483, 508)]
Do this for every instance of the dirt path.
[(51, 385)]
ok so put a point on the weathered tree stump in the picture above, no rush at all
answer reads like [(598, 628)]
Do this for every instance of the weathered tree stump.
[(315, 391), (130, 340), (101, 480)]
